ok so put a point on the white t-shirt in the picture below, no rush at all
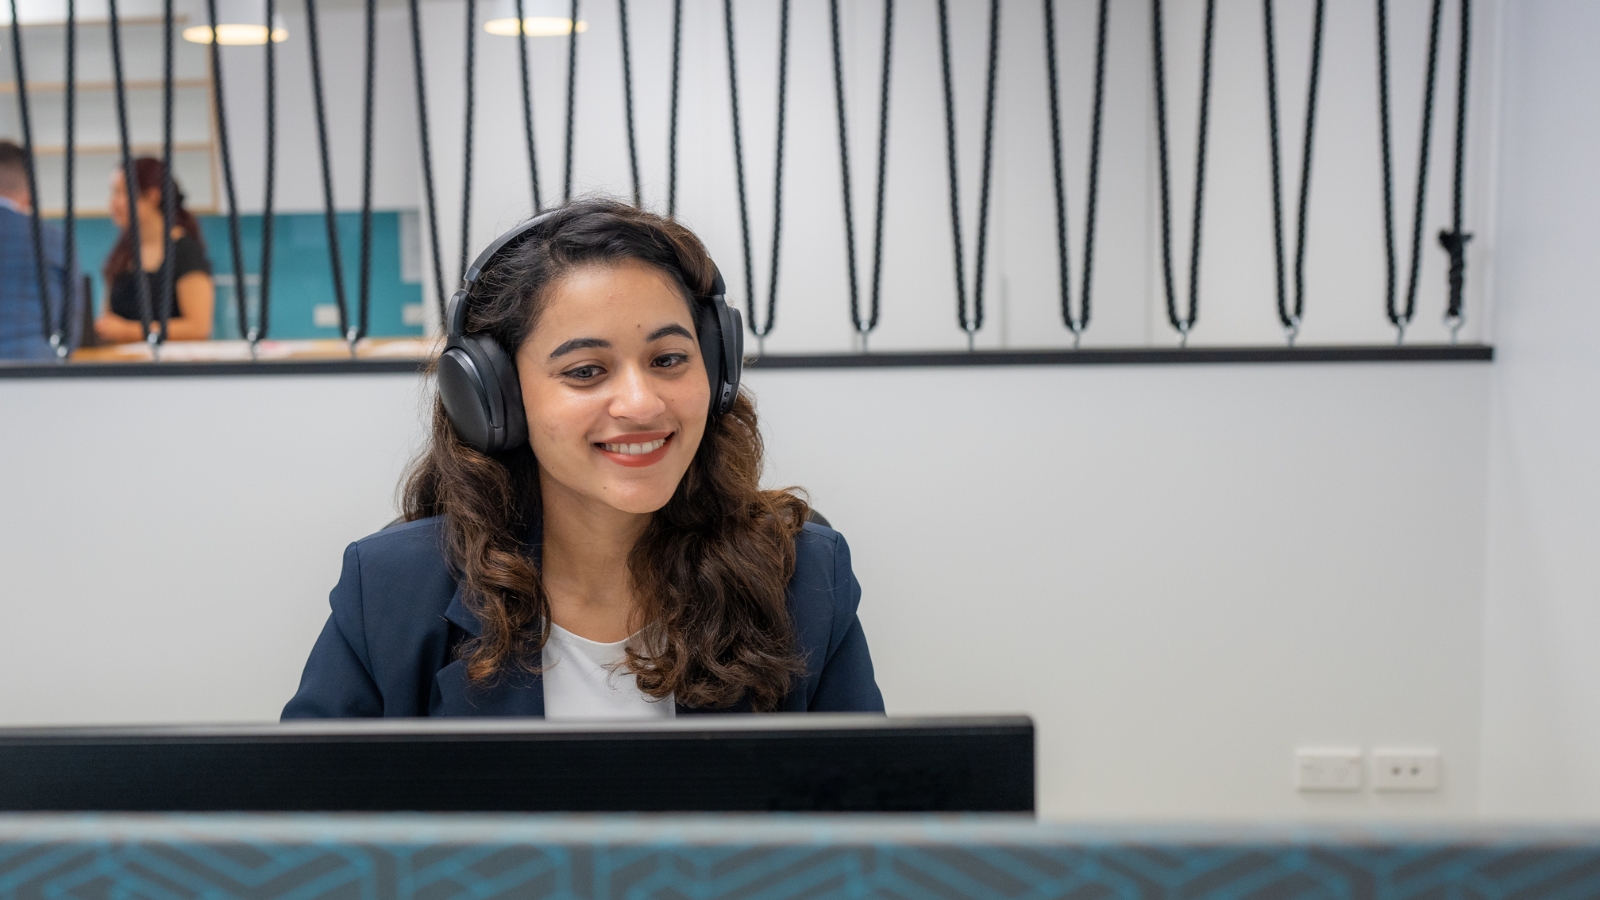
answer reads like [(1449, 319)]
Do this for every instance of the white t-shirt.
[(585, 679)]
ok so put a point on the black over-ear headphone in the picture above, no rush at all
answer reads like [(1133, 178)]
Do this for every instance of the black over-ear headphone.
[(478, 378)]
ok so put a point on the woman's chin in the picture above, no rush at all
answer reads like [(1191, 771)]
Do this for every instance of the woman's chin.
[(637, 503), (640, 496)]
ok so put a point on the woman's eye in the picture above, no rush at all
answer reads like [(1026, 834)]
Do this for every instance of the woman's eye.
[(671, 360), (583, 373)]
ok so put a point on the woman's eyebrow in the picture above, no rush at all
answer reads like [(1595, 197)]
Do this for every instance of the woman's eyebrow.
[(665, 330), (580, 344)]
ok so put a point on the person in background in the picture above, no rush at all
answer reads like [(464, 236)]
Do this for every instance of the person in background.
[(193, 295), (22, 336)]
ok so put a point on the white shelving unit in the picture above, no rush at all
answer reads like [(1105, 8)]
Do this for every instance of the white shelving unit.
[(98, 149)]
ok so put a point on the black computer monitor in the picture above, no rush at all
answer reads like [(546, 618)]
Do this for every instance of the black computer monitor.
[(717, 763)]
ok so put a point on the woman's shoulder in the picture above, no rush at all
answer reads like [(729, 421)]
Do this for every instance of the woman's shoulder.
[(823, 590), (189, 255), (402, 565)]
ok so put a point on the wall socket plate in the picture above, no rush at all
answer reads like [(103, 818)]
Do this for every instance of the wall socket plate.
[(1327, 769), (1405, 769)]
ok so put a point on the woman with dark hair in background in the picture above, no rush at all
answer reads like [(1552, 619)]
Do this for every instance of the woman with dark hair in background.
[(193, 296), (610, 553)]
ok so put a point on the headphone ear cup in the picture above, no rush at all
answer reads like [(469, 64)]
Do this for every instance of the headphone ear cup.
[(514, 416), (732, 351), (722, 346), (482, 397)]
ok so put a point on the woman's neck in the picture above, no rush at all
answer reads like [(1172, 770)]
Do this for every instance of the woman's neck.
[(152, 244), (585, 564)]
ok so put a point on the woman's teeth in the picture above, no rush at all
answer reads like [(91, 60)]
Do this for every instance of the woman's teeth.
[(634, 449)]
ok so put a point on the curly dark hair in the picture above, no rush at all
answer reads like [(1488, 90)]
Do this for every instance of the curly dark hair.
[(711, 568)]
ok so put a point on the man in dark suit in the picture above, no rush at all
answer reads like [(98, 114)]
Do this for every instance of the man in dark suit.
[(22, 335)]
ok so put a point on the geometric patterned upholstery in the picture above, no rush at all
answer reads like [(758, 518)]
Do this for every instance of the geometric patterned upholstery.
[(166, 857)]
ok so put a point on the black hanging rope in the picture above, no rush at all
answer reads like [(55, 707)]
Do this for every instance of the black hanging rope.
[(240, 300), (35, 225), (1455, 240), (572, 98), (672, 111), (61, 339), (1290, 320), (863, 328), (627, 96), (1186, 323), (427, 154), (169, 187), (466, 135), (264, 317), (973, 323), (364, 288), (527, 106), (330, 214), (129, 176), (1076, 324), (1397, 318), (759, 330)]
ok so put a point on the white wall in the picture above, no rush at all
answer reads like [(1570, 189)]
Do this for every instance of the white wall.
[(1542, 688), (1182, 573)]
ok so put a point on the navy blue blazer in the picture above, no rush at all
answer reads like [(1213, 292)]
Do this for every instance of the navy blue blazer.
[(398, 613)]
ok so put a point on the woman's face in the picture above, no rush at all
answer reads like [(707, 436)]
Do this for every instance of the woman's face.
[(119, 200), (614, 386), (149, 202)]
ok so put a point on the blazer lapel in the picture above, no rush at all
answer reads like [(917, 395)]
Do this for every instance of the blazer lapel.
[(511, 694)]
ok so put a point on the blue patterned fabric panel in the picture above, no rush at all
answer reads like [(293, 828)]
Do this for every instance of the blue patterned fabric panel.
[(767, 858)]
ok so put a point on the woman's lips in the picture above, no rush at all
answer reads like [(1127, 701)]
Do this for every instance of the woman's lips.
[(636, 450)]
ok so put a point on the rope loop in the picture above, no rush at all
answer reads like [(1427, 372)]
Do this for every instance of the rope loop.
[(330, 211), (863, 327), (527, 107), (224, 151), (364, 280), (1397, 317), (1075, 323), (169, 185), (427, 153), (972, 322), (469, 107), (756, 327), (1289, 318), (572, 97), (130, 178), (1182, 324), (1455, 239), (672, 108), (264, 290), (627, 97), (35, 225)]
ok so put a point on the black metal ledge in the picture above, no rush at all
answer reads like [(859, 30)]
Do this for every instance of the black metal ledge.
[(210, 369), (1130, 356), (1139, 356)]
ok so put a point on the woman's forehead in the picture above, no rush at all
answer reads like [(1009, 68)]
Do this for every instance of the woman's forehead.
[(626, 296)]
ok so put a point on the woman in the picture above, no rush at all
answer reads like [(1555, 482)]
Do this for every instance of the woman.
[(612, 555), (190, 303)]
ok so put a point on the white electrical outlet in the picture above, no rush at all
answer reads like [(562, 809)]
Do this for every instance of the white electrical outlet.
[(325, 315), (1405, 769), (1327, 769)]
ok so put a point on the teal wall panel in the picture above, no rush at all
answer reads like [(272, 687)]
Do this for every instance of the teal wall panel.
[(302, 277)]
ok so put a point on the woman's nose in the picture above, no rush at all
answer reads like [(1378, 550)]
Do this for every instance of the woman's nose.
[(636, 397)]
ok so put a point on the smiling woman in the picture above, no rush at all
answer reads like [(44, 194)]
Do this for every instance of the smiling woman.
[(586, 534)]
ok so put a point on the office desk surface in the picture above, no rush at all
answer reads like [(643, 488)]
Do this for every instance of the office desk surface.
[(415, 856)]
